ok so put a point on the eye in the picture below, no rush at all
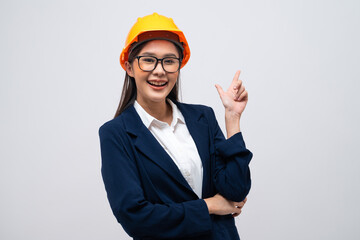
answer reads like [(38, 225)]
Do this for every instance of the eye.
[(148, 59), (170, 61)]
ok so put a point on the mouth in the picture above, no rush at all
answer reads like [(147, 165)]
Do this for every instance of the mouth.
[(157, 83)]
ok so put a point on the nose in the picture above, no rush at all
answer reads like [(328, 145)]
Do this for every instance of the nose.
[(158, 69)]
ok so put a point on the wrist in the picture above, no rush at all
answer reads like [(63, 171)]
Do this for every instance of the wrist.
[(209, 205), (232, 122), (232, 116)]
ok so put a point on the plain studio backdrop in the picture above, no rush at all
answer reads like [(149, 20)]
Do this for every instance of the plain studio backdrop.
[(61, 80)]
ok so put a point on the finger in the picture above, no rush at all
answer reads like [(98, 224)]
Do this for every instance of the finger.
[(243, 96), (245, 200), (236, 212), (220, 90), (236, 77), (241, 204), (237, 84), (239, 92), (236, 204), (242, 89)]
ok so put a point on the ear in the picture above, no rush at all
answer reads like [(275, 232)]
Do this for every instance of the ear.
[(129, 69)]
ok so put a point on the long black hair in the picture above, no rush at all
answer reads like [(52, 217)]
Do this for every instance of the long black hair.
[(129, 90)]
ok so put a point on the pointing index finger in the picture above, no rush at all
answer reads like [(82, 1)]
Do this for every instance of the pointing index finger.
[(236, 77)]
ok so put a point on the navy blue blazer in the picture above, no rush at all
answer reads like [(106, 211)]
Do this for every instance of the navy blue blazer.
[(147, 192)]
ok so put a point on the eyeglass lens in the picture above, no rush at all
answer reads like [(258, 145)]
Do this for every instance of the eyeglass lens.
[(169, 64)]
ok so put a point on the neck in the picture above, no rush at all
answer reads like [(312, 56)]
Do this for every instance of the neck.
[(159, 110)]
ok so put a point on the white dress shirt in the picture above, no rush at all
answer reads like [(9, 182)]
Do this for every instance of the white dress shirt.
[(178, 143)]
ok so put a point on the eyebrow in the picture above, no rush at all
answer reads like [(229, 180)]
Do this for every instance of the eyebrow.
[(152, 54)]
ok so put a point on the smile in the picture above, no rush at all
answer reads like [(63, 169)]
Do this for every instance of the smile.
[(157, 83)]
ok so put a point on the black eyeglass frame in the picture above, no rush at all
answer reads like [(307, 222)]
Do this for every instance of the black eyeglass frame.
[(157, 61)]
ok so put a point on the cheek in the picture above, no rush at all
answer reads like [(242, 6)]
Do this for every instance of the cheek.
[(140, 75), (174, 78)]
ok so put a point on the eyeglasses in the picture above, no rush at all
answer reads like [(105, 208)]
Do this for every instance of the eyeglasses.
[(149, 63)]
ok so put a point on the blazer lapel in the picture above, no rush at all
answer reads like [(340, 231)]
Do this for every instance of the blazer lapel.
[(147, 144), (199, 131)]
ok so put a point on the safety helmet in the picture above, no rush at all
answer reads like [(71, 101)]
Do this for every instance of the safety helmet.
[(152, 27)]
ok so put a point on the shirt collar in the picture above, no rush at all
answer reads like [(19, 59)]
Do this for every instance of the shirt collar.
[(147, 119), (177, 116)]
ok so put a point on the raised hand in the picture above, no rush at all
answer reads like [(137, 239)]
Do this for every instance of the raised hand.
[(236, 97)]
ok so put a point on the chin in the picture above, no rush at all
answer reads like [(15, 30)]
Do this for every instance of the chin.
[(158, 98)]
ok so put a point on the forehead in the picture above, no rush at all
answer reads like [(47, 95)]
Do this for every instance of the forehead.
[(159, 47)]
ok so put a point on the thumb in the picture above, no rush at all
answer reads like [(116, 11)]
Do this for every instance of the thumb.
[(220, 90)]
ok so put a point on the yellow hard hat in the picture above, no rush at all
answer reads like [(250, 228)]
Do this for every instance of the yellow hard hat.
[(155, 26)]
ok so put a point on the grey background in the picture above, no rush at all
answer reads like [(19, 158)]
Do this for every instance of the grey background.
[(61, 79)]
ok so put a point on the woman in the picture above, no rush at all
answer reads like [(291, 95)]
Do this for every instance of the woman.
[(168, 171)]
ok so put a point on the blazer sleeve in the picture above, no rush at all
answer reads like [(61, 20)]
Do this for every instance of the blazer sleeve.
[(139, 217), (231, 168)]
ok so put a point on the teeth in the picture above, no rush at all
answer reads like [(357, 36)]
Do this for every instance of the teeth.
[(157, 83)]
